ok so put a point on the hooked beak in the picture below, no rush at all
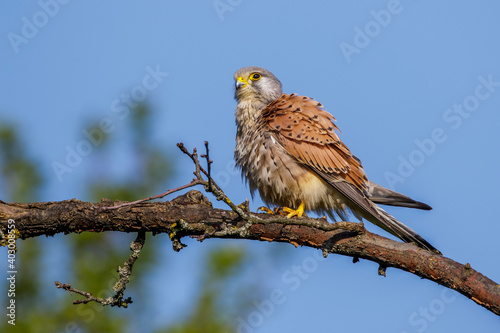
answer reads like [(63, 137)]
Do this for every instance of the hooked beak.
[(241, 82)]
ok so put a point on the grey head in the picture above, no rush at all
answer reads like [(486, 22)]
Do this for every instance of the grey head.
[(256, 83)]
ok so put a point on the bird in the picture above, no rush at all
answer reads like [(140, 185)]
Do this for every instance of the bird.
[(289, 150)]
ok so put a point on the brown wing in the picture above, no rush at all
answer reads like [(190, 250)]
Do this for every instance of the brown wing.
[(308, 133)]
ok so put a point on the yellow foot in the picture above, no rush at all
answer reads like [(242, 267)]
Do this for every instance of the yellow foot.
[(299, 212), (267, 210)]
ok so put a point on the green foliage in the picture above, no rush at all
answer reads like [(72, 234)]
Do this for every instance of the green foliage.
[(224, 263)]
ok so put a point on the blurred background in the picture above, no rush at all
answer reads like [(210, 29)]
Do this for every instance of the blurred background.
[(95, 95)]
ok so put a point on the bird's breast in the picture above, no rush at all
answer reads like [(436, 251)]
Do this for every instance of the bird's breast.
[(280, 179)]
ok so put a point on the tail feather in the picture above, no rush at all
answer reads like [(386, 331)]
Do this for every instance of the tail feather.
[(398, 229), (384, 196), (362, 205)]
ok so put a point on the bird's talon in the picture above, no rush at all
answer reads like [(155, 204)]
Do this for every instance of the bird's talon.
[(267, 210), (299, 212)]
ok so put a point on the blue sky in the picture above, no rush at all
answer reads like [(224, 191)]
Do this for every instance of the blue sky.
[(414, 85)]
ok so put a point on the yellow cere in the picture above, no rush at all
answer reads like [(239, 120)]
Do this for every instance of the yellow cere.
[(241, 79)]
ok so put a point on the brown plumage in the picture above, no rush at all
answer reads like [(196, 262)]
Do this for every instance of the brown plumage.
[(307, 132), (288, 149)]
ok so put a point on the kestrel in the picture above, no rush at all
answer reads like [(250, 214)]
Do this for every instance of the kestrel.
[(288, 149)]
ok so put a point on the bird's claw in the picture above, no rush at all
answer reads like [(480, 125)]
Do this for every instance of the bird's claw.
[(294, 212), (299, 212), (267, 210), (288, 212)]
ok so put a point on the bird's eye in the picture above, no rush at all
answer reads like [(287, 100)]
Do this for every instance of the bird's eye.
[(255, 76)]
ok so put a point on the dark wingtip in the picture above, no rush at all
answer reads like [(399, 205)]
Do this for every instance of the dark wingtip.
[(399, 203), (421, 205)]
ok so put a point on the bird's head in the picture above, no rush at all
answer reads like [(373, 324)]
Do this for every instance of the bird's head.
[(256, 84)]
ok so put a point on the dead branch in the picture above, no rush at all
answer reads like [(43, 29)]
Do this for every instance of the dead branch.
[(119, 288), (192, 215)]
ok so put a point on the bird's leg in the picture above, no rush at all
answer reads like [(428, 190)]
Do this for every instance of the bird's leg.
[(299, 212)]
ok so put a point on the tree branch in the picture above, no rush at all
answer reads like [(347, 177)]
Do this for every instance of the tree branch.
[(119, 288), (192, 215)]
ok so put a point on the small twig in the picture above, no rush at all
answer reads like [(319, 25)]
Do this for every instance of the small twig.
[(88, 296), (194, 182), (381, 270), (197, 181), (197, 163), (212, 186), (209, 163), (124, 274)]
